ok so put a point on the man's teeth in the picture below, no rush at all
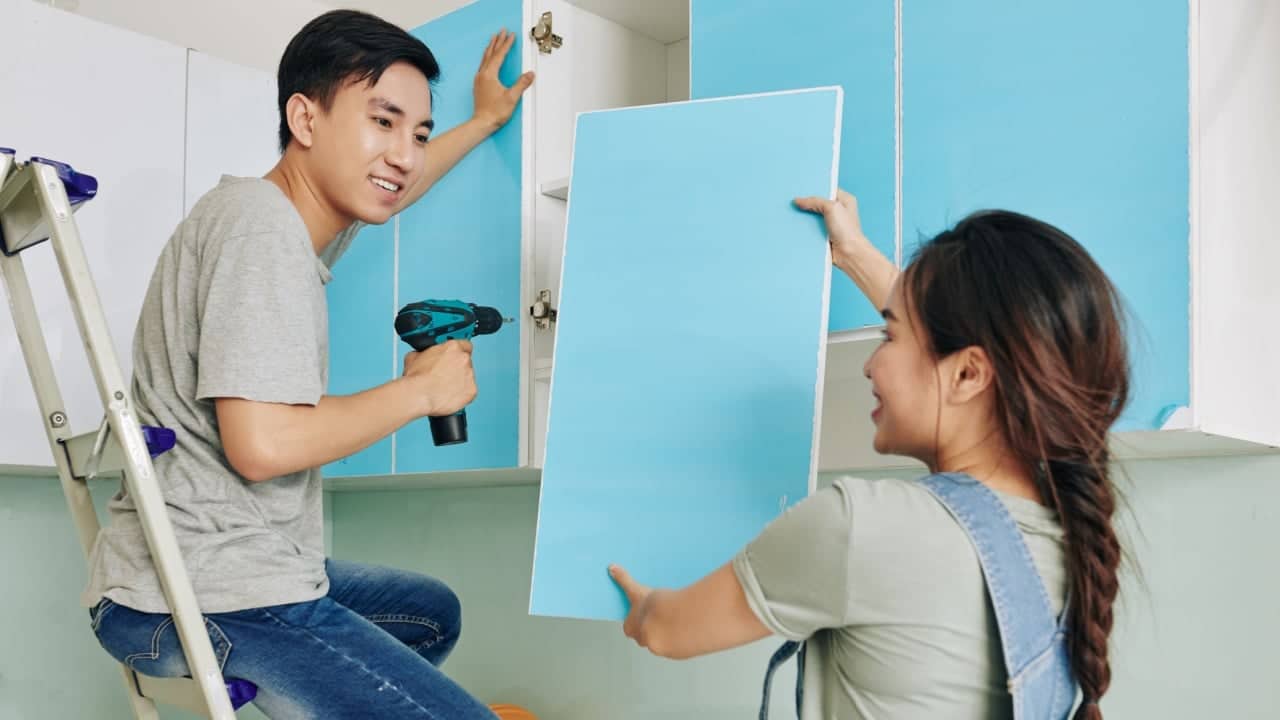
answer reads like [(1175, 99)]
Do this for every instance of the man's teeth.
[(386, 185)]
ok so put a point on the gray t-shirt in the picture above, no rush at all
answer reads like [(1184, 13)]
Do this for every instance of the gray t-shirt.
[(235, 308), (887, 589)]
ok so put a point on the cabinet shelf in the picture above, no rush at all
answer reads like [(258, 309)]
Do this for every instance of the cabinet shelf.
[(558, 188), (497, 477)]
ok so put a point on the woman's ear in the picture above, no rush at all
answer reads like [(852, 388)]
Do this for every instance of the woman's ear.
[(971, 373)]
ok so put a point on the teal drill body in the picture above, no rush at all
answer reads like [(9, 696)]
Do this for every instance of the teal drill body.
[(431, 322)]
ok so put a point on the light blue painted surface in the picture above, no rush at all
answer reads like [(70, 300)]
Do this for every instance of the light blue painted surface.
[(691, 325), (1074, 112), (745, 46), (462, 242), (361, 333)]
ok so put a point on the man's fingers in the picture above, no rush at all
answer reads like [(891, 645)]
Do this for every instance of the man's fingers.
[(498, 52), (488, 52), (522, 84), (492, 54)]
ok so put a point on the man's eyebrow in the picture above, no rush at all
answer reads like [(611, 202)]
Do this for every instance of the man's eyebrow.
[(387, 105)]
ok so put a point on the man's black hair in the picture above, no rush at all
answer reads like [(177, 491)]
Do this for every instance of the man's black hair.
[(344, 46)]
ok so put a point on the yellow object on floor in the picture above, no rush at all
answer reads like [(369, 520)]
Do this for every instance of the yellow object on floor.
[(512, 712)]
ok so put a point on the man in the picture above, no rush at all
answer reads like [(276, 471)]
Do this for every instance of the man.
[(231, 352)]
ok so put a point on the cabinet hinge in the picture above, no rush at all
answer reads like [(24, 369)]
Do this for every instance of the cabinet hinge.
[(542, 33), (541, 311)]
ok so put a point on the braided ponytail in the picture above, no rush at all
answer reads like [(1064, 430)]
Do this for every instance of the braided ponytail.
[(1050, 321), (1087, 503)]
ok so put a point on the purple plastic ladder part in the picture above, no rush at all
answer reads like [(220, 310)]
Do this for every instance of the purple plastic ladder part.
[(80, 187), (159, 439), (241, 692)]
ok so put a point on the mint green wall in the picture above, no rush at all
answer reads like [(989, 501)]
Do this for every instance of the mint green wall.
[(481, 543), (51, 666), (1197, 642), (1200, 641)]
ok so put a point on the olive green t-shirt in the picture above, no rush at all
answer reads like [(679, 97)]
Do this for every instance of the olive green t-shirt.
[(887, 589)]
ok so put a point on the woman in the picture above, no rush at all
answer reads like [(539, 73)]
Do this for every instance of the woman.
[(1002, 367)]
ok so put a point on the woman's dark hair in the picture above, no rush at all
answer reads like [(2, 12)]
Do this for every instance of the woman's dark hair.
[(1051, 323), (339, 47)]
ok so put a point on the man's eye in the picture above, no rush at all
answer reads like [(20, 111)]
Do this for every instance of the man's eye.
[(422, 139), (383, 122)]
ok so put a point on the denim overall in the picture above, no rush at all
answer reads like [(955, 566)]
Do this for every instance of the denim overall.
[(1033, 640)]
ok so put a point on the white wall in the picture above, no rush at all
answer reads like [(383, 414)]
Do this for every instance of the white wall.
[(248, 32), (231, 123), (111, 105)]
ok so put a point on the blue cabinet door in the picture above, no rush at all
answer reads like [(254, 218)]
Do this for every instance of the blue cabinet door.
[(361, 335), (688, 357), (749, 46), (1076, 113), (463, 241)]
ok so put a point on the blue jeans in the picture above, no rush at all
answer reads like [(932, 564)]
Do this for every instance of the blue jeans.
[(369, 649)]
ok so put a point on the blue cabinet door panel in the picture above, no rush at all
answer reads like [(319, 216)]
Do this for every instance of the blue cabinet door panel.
[(1076, 113), (361, 335), (747, 46), (690, 343), (463, 241)]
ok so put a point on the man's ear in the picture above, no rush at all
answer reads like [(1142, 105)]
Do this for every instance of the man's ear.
[(300, 111), (971, 373)]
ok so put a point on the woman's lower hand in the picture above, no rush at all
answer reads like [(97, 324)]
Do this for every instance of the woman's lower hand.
[(638, 597)]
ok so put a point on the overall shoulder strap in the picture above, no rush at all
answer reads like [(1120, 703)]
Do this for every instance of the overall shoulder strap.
[(781, 656), (1023, 612)]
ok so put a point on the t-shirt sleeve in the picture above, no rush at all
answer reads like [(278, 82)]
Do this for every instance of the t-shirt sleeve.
[(258, 326), (795, 574)]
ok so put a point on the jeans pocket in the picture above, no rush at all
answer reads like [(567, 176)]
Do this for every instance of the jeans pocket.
[(148, 643), (100, 611)]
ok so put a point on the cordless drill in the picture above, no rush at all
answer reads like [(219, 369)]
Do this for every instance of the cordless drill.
[(431, 322)]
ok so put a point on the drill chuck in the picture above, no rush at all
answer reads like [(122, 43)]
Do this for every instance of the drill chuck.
[(488, 320)]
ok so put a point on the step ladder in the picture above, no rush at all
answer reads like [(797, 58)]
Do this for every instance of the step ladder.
[(37, 201)]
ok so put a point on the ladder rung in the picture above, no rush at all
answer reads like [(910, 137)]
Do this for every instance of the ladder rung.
[(178, 692), (80, 451), (185, 693)]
